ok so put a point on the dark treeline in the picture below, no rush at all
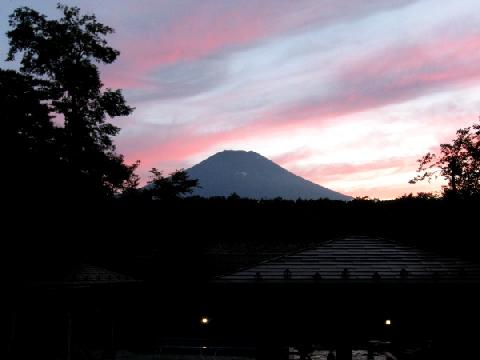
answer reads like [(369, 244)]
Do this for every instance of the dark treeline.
[(163, 240), (175, 247)]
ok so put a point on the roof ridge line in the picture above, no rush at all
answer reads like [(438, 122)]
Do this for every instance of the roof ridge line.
[(275, 258)]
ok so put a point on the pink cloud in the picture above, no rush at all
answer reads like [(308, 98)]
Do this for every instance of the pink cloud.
[(393, 191), (188, 36), (293, 157), (324, 173), (192, 30), (396, 167), (188, 142), (409, 70), (392, 75)]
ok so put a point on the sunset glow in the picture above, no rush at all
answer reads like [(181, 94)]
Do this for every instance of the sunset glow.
[(345, 93)]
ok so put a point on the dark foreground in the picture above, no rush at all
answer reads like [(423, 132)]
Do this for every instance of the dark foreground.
[(134, 280)]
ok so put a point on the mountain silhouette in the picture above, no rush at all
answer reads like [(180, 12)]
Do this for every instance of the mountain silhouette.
[(251, 175)]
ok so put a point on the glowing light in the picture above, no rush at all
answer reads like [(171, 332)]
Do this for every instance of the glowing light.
[(388, 322), (205, 320)]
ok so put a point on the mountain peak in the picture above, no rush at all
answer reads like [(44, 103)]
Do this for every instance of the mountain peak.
[(252, 175), (236, 154)]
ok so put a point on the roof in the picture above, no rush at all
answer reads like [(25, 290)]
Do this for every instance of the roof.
[(95, 274), (84, 275), (359, 259)]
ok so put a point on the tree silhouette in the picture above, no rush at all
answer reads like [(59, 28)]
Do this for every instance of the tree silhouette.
[(33, 160), (458, 163), (63, 54), (26, 119), (171, 187)]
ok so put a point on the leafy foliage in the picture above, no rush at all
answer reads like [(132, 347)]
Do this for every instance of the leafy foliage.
[(62, 55), (26, 119), (427, 196), (458, 163), (171, 187), (33, 159)]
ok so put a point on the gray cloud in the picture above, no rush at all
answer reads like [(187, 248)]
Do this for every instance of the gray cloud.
[(181, 80)]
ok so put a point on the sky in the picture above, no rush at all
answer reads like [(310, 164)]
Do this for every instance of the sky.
[(345, 93)]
